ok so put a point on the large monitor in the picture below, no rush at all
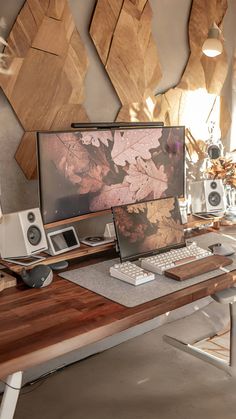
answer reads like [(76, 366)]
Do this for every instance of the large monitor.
[(90, 170), (148, 228)]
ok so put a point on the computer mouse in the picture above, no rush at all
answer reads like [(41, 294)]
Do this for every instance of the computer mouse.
[(222, 249)]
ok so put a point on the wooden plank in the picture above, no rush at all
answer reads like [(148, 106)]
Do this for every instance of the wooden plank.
[(34, 89), (67, 114), (6, 280), (109, 10), (26, 155), (68, 21), (38, 9), (81, 252), (79, 218), (55, 9), (133, 67), (25, 28), (51, 37), (45, 89), (198, 267), (8, 83)]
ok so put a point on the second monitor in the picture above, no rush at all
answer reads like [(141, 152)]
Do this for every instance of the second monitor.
[(89, 170)]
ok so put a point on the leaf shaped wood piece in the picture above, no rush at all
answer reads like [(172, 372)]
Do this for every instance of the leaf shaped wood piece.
[(146, 179), (131, 144)]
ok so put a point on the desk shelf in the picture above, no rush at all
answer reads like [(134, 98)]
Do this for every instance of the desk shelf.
[(82, 251)]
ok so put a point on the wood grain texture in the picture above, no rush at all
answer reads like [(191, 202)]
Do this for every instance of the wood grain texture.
[(128, 51), (198, 267), (81, 252), (6, 281), (26, 155), (40, 324), (46, 89)]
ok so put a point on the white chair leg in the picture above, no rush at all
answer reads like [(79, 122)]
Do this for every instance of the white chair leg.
[(227, 296), (10, 396)]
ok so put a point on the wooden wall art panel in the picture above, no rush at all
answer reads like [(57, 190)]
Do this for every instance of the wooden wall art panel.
[(49, 64), (121, 32), (202, 74)]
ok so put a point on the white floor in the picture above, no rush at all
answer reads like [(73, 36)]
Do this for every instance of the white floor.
[(142, 378)]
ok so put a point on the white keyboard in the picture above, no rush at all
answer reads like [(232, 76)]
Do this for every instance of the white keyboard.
[(175, 257), (131, 273)]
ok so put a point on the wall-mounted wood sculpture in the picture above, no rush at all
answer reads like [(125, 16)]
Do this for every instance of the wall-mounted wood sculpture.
[(128, 52), (196, 101), (49, 64)]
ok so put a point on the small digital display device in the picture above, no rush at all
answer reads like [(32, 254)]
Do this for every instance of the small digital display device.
[(148, 228), (61, 241)]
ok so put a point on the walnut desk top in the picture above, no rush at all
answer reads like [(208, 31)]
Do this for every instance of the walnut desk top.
[(37, 325)]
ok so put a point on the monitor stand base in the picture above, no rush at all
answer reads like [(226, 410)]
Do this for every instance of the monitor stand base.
[(63, 264)]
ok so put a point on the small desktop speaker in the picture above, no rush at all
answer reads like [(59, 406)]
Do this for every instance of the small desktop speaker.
[(207, 196), (39, 276), (22, 234)]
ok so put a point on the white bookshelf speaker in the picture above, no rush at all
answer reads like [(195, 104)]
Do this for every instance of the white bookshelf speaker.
[(207, 196), (22, 234)]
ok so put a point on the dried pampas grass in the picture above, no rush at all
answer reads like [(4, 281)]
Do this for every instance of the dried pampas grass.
[(4, 69)]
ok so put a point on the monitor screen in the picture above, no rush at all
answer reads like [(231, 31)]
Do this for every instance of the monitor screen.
[(148, 227), (91, 170)]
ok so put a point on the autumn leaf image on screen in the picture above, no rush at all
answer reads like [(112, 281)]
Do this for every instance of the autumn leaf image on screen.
[(148, 226), (106, 168)]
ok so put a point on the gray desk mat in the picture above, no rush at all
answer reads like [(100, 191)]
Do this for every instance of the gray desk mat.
[(96, 278)]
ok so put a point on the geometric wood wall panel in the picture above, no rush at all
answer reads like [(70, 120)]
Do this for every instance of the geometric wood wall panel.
[(46, 89), (121, 32), (201, 72)]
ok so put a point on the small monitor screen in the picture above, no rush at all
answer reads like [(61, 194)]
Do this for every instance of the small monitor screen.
[(86, 171), (148, 228), (63, 240)]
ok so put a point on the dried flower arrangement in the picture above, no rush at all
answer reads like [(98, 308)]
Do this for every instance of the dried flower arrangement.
[(224, 169), (4, 68)]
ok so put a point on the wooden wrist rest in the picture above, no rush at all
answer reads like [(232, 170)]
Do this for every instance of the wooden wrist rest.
[(198, 267)]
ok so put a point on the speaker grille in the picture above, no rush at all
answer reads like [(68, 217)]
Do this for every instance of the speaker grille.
[(34, 235), (214, 199)]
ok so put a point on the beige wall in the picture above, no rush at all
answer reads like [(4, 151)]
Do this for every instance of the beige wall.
[(170, 31)]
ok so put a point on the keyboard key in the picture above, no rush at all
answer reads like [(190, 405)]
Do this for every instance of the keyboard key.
[(174, 257)]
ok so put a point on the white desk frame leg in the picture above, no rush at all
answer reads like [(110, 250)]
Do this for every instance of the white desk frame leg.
[(227, 296), (10, 396)]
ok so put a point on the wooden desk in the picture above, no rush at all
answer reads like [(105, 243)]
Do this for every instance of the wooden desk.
[(40, 324)]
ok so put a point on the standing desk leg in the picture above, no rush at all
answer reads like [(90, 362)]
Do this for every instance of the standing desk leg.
[(10, 396)]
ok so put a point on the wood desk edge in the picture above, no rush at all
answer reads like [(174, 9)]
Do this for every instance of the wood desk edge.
[(110, 325)]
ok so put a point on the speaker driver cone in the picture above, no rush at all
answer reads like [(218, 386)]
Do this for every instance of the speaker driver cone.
[(34, 235), (214, 199)]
